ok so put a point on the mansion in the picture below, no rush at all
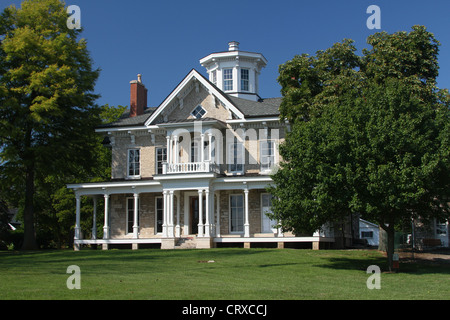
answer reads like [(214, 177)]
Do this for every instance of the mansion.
[(193, 172)]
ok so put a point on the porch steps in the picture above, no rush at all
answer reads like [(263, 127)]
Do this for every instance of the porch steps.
[(188, 242)]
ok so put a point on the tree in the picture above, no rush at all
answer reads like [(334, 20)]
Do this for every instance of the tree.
[(370, 135), (47, 110)]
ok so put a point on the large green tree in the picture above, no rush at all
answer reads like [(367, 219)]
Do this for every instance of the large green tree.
[(47, 100), (370, 135)]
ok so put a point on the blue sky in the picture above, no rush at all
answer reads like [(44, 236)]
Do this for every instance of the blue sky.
[(164, 40)]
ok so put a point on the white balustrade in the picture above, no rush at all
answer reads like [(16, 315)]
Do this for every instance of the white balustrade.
[(189, 167)]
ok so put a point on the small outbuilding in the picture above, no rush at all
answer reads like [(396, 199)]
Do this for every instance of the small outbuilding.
[(369, 231)]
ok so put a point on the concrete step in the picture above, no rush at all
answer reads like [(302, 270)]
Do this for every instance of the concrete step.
[(187, 242)]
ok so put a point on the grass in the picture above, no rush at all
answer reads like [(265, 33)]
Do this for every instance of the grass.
[(251, 274)]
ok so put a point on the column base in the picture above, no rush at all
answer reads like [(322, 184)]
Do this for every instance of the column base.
[(168, 243), (205, 243), (316, 245)]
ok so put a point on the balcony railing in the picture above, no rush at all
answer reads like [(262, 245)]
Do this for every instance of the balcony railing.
[(190, 167)]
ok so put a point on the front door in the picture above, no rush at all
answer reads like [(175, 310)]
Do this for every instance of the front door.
[(194, 214)]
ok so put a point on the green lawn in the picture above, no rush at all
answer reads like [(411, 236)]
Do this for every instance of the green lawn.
[(236, 274)]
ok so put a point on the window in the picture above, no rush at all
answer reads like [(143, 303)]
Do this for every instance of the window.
[(236, 157), (159, 209), (198, 112), (267, 224), (214, 77), (236, 213), (366, 234), (130, 214), (244, 79), (227, 79), (267, 155), (134, 163), (161, 157), (194, 151)]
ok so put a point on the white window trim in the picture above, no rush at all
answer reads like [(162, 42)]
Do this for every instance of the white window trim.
[(214, 77), (128, 164), (262, 212), (199, 105), (243, 213), (231, 158), (232, 79), (275, 156), (156, 214), (128, 213), (156, 158), (248, 79)]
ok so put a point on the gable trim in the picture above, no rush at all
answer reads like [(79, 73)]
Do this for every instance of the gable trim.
[(194, 74)]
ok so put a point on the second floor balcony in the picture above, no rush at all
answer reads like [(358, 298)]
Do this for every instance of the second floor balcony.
[(190, 167)]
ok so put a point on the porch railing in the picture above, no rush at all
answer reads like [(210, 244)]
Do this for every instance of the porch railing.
[(190, 167)]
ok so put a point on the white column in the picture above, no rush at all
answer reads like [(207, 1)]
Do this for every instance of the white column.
[(170, 215), (218, 214), (135, 216), (246, 224), (165, 209), (210, 146), (207, 226), (200, 213), (202, 147), (178, 227), (94, 219), (175, 156), (106, 223), (77, 217), (169, 154)]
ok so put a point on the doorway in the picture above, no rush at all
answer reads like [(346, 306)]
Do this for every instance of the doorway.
[(194, 211)]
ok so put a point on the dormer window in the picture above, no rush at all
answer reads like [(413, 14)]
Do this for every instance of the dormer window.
[(228, 79), (198, 112)]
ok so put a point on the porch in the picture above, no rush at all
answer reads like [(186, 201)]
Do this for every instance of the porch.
[(164, 211)]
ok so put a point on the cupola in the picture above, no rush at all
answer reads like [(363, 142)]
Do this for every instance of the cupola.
[(235, 72)]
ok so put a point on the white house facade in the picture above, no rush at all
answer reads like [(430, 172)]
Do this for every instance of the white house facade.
[(193, 172)]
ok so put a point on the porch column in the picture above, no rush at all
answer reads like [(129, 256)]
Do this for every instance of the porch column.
[(170, 215), (202, 147), (165, 209), (106, 223), (218, 214), (94, 219), (169, 153), (246, 224), (77, 217), (207, 225), (210, 146), (178, 227), (200, 212), (136, 216), (175, 156)]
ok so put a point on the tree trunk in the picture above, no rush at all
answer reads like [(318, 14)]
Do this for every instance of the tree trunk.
[(390, 245), (29, 237)]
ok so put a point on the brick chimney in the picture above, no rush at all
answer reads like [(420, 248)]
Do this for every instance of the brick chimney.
[(138, 97)]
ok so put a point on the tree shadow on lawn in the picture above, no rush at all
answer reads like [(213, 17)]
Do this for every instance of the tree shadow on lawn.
[(412, 267)]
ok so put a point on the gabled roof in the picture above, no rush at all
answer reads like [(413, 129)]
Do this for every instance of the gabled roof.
[(126, 121), (192, 76), (242, 108), (261, 108)]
